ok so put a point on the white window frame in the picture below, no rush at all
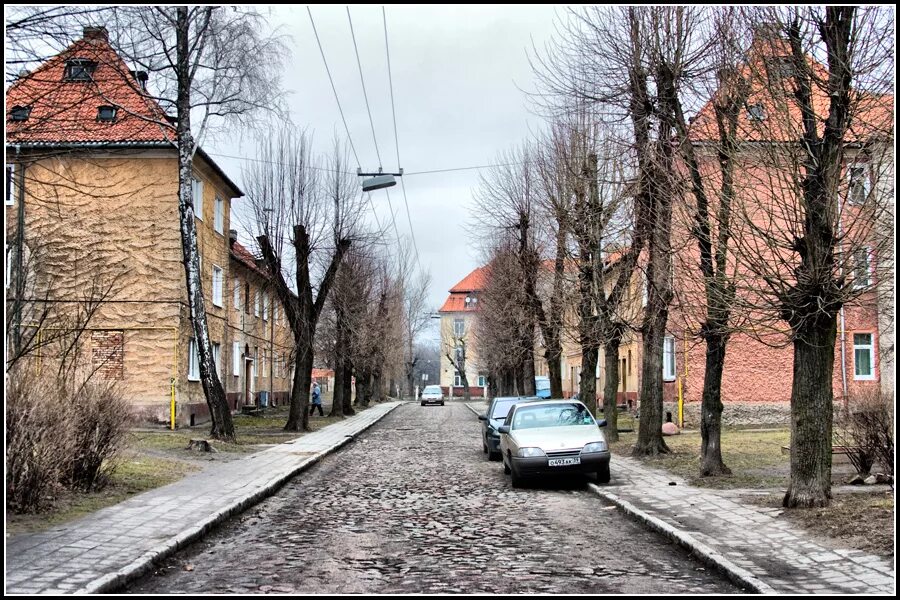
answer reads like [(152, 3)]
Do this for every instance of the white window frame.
[(867, 252), (218, 281), (482, 380), (459, 327), (255, 371), (457, 379), (8, 265), (669, 358), (870, 347), (219, 218), (193, 361), (197, 195), (866, 186), (10, 184), (265, 307), (217, 354), (236, 359), (237, 294), (262, 362), (256, 303)]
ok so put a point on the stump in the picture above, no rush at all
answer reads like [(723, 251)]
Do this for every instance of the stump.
[(202, 445)]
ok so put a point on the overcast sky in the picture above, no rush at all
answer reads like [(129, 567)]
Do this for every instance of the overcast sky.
[(455, 70)]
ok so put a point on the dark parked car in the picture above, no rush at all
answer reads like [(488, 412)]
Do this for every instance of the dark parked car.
[(493, 419)]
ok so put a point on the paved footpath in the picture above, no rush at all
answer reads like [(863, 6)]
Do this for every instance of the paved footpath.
[(746, 541), (103, 550)]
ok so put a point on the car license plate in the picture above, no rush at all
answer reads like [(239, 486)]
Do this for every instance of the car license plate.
[(564, 462)]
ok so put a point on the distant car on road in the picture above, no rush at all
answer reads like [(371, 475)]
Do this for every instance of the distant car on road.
[(432, 394), (553, 437), (493, 419), (542, 387)]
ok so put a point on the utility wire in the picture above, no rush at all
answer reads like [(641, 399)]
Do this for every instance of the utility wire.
[(372, 123), (387, 50), (341, 110)]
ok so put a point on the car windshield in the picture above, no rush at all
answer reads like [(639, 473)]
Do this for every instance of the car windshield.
[(432, 389), (501, 408), (552, 415)]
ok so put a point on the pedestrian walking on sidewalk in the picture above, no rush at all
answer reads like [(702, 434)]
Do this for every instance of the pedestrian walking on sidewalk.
[(316, 401)]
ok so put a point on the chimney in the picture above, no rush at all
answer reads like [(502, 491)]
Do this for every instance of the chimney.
[(141, 78), (96, 34), (232, 236)]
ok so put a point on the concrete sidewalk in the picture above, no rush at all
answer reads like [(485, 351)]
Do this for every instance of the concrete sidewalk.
[(747, 542), (105, 549)]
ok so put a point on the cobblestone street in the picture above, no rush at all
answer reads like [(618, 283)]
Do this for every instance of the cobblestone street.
[(413, 506)]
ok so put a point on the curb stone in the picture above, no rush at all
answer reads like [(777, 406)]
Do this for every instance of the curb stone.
[(703, 552), (113, 581)]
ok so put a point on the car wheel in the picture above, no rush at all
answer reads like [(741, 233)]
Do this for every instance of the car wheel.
[(603, 474), (484, 448), (506, 469), (423, 404), (494, 456), (442, 402)]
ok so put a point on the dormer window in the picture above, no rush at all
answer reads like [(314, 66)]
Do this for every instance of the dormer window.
[(106, 114), (756, 112), (79, 69), (19, 113)]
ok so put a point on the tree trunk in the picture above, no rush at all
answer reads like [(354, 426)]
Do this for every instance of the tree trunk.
[(298, 416), (377, 391), (220, 414), (348, 389), (650, 440), (554, 367), (611, 387), (812, 398), (711, 462), (588, 382), (529, 385)]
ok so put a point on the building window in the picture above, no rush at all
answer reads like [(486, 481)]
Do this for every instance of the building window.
[(236, 359), (219, 219), (10, 184), (459, 327), (756, 112), (858, 182), (256, 304), (106, 114), (8, 265), (265, 307), (457, 379), (237, 293), (19, 113), (247, 298), (482, 381), (197, 195), (216, 351), (79, 69), (863, 356), (218, 280), (193, 362), (668, 358), (862, 271)]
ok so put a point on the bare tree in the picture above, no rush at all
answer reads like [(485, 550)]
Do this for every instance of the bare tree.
[(305, 228), (822, 92)]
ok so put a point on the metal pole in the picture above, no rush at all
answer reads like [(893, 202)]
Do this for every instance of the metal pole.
[(172, 405)]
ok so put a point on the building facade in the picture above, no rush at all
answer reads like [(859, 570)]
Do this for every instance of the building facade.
[(93, 222)]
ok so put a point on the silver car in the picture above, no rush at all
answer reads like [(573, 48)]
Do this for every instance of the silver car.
[(432, 394), (553, 437)]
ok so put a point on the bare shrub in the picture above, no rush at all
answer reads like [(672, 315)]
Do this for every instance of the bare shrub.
[(101, 417), (867, 430), (38, 439)]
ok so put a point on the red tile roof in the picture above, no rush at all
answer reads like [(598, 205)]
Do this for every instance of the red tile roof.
[(246, 258), (473, 282), (457, 303), (874, 113), (65, 112)]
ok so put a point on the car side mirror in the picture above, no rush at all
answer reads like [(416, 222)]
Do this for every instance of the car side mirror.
[(503, 429), (601, 423), (482, 417)]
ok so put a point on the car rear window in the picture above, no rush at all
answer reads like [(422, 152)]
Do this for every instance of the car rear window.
[(552, 415), (432, 389), (501, 408)]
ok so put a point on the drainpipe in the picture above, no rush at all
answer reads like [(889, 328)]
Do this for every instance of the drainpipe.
[(846, 401), (20, 253)]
